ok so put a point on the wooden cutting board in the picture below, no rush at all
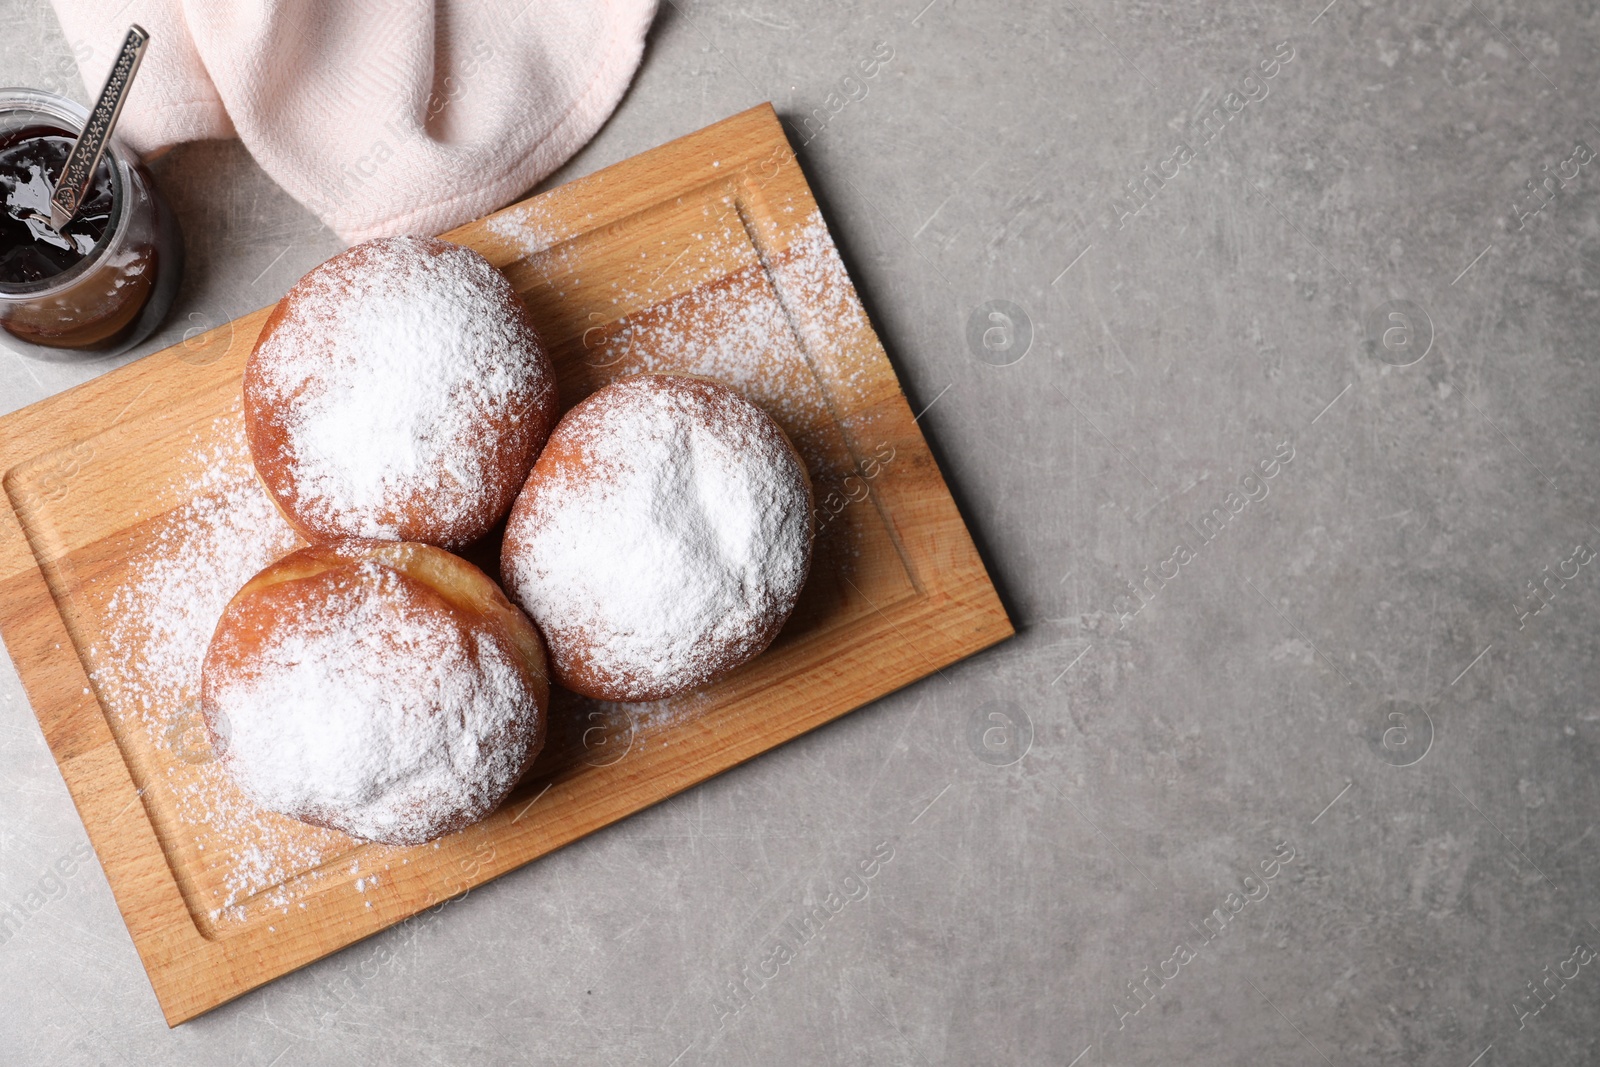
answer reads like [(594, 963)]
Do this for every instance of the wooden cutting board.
[(707, 254)]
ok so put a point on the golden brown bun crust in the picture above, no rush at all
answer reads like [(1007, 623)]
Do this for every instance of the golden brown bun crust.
[(509, 439), (447, 587), (576, 660)]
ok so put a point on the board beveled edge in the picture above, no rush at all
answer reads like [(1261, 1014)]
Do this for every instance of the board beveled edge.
[(191, 974)]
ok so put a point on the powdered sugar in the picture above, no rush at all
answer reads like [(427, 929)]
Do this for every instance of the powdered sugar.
[(734, 330), (391, 372), (160, 623), (816, 292), (145, 664), (525, 226), (743, 328), (367, 708), (671, 555)]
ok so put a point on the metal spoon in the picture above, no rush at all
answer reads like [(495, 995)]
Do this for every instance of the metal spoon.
[(78, 171)]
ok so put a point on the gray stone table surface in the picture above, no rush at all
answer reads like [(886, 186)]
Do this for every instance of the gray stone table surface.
[(1259, 344)]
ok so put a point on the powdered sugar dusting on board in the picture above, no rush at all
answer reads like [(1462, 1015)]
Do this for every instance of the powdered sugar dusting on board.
[(526, 227), (734, 330), (758, 329), (368, 707), (822, 304), (201, 554), (671, 554)]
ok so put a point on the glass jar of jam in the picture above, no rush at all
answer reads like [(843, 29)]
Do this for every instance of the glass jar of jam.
[(107, 279)]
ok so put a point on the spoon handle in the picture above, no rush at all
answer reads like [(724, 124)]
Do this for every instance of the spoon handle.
[(78, 171)]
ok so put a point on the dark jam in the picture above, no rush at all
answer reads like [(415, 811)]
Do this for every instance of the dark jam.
[(31, 250), (103, 282)]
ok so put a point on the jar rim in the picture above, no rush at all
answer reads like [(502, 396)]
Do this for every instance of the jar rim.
[(53, 106)]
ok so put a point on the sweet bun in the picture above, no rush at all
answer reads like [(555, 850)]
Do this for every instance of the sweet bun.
[(398, 391), (384, 689), (662, 537)]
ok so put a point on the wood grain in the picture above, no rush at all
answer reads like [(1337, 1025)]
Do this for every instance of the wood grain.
[(635, 267)]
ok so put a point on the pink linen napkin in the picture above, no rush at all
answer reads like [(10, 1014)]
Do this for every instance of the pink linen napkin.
[(381, 116)]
